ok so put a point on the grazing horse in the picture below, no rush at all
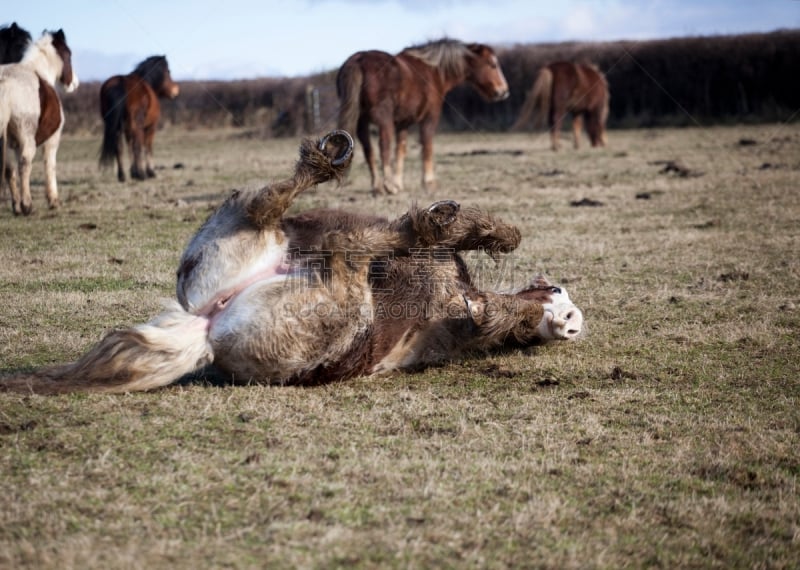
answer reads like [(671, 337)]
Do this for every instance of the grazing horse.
[(31, 114), (563, 87), (395, 92), (320, 296), (129, 104)]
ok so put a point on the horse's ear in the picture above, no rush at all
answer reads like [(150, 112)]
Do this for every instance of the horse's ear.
[(540, 281)]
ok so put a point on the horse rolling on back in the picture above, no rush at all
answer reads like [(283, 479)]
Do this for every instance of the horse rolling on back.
[(320, 296), (129, 105), (31, 114), (562, 87), (396, 92)]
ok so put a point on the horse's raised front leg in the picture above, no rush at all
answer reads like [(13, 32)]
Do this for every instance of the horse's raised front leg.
[(50, 149), (445, 224), (426, 131)]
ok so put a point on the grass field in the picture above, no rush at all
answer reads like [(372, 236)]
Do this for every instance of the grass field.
[(669, 436)]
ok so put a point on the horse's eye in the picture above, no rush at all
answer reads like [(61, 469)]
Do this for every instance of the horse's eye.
[(556, 290)]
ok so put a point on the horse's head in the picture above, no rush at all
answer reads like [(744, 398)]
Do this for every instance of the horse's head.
[(155, 70), (562, 319), (68, 78), (485, 73)]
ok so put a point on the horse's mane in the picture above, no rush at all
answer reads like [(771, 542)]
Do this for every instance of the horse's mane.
[(152, 69), (447, 54), (14, 41)]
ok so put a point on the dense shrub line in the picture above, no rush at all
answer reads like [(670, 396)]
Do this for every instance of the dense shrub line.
[(681, 81)]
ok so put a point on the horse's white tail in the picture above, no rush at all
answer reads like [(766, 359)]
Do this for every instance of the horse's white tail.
[(139, 358), (537, 101)]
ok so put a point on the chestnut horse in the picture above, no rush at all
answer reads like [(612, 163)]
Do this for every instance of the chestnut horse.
[(395, 92), (129, 104), (31, 113), (320, 296), (563, 87)]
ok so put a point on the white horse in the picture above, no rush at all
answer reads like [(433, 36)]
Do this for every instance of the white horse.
[(31, 114)]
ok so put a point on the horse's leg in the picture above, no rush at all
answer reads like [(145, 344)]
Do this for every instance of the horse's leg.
[(362, 132), (12, 176), (426, 130), (386, 134), (400, 151), (149, 135), (50, 148), (556, 117), (136, 142), (27, 150), (577, 127), (120, 154)]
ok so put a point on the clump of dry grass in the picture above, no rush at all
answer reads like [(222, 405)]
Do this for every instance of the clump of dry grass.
[(668, 436)]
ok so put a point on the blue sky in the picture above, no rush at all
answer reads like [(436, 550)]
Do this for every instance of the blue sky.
[(237, 39)]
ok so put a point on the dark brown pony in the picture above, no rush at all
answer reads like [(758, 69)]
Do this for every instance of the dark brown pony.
[(563, 87), (129, 104), (395, 92)]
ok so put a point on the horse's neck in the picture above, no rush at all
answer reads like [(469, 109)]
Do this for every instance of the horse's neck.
[(46, 65)]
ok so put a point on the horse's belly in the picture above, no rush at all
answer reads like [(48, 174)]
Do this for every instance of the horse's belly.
[(277, 330)]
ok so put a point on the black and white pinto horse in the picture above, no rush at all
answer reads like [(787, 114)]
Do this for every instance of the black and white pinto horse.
[(31, 113)]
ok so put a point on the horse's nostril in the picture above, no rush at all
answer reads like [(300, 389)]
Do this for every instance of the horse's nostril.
[(572, 331)]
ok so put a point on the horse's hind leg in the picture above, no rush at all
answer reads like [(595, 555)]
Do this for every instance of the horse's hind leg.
[(21, 202), (120, 146), (149, 135), (400, 151), (320, 161), (362, 132), (577, 127), (50, 149)]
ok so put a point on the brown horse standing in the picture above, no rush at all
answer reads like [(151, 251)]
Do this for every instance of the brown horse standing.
[(563, 87), (129, 104), (395, 92)]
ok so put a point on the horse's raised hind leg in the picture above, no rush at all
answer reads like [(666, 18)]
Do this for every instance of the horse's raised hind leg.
[(577, 127), (320, 161), (50, 149)]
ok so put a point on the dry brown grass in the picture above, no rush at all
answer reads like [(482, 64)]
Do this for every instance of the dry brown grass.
[(667, 437)]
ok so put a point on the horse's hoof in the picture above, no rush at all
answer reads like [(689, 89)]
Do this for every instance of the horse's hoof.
[(151, 173), (121, 176), (444, 213), (26, 209), (342, 144), (54, 205)]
